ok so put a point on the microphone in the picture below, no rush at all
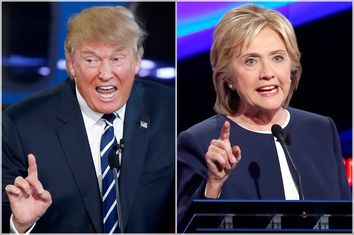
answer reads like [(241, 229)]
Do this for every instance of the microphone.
[(121, 146), (113, 158), (278, 133), (255, 173), (113, 161)]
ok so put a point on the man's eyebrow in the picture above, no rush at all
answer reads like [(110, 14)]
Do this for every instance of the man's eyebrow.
[(94, 52), (89, 51)]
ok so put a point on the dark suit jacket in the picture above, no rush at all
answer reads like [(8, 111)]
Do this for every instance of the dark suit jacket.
[(50, 126), (315, 149)]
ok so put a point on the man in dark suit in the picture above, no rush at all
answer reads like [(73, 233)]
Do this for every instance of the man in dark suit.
[(52, 176)]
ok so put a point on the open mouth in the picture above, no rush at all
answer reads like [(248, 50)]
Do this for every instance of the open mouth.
[(268, 89), (106, 91)]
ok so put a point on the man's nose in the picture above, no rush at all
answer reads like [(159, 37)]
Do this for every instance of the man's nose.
[(105, 72)]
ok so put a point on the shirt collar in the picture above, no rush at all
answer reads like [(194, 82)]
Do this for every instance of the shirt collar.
[(91, 117)]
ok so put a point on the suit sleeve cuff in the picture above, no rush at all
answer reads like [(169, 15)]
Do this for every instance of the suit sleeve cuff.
[(13, 229), (205, 192)]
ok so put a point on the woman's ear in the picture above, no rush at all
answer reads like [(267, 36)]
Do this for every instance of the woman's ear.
[(230, 84)]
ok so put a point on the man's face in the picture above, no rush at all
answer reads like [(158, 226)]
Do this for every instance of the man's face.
[(104, 74)]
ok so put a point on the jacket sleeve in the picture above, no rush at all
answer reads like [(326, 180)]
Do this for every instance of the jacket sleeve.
[(192, 174), (342, 179), (14, 164)]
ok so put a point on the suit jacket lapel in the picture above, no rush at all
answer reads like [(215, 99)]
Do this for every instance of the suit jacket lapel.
[(136, 129), (73, 138)]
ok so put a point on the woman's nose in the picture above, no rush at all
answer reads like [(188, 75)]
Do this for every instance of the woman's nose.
[(266, 71)]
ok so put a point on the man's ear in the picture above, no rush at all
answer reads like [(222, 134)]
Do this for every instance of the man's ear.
[(70, 67), (137, 64)]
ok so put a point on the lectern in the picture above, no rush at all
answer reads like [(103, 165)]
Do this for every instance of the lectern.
[(268, 216)]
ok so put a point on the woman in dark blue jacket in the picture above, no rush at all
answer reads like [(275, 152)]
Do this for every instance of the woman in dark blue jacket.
[(234, 155)]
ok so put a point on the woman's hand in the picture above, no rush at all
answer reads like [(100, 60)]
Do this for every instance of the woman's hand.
[(221, 160)]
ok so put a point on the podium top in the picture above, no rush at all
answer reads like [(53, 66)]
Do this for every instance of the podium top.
[(333, 207), (206, 215)]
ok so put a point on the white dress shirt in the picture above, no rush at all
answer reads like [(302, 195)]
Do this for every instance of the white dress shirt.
[(290, 189), (94, 126)]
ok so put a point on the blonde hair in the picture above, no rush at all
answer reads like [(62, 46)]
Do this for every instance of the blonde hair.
[(106, 24), (233, 34)]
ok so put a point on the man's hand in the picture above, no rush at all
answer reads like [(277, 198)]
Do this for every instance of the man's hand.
[(28, 200), (221, 160)]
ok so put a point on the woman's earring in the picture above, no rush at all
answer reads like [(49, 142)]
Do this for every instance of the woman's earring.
[(231, 86)]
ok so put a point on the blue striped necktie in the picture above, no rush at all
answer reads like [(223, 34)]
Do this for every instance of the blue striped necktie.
[(108, 140)]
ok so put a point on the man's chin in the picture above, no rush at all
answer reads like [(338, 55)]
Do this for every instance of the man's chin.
[(108, 107)]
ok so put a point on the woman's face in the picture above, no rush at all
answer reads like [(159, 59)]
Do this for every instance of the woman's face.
[(261, 74)]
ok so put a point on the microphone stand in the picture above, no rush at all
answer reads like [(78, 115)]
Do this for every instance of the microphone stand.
[(278, 133), (115, 166), (298, 176)]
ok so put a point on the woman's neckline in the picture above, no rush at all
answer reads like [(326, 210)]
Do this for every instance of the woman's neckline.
[(286, 122)]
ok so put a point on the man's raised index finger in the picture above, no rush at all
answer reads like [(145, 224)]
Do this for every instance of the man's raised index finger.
[(32, 166)]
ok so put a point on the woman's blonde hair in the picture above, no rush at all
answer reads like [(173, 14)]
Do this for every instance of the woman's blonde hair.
[(106, 24), (235, 33)]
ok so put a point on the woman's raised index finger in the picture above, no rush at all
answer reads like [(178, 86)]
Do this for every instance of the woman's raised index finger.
[(225, 131)]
